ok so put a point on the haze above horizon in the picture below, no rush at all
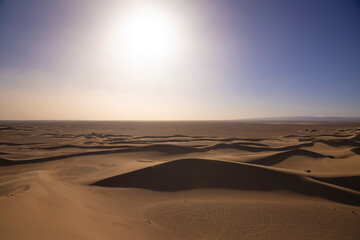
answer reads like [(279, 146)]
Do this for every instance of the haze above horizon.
[(178, 59)]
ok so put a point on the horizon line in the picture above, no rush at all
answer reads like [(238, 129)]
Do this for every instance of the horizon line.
[(284, 118)]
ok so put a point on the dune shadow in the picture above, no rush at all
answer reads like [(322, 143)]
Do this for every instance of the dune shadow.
[(188, 174), (18, 144), (352, 182), (356, 138), (2, 128), (356, 150), (340, 142), (279, 157), (245, 147), (80, 147), (161, 148)]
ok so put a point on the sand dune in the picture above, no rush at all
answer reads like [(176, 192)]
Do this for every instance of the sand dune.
[(279, 157), (179, 180), (187, 174), (162, 148)]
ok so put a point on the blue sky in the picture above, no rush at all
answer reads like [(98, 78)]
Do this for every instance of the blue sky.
[(231, 60)]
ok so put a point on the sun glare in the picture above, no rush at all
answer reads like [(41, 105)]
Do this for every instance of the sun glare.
[(148, 36)]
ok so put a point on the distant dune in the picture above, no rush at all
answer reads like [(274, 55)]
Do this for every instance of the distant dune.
[(306, 119)]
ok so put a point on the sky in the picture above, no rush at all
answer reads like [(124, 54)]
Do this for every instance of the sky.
[(178, 59)]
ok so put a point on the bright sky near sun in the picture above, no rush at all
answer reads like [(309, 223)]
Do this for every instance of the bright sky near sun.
[(178, 59)]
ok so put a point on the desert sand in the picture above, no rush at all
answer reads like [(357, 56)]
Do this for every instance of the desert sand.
[(179, 180)]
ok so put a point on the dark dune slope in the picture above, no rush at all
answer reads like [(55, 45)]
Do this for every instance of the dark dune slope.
[(279, 157), (200, 173)]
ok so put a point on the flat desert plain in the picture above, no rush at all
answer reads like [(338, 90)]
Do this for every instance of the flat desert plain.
[(179, 180)]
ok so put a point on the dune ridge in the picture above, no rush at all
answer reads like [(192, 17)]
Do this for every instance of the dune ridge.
[(279, 157), (162, 148)]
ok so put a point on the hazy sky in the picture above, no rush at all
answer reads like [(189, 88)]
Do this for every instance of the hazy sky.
[(180, 59)]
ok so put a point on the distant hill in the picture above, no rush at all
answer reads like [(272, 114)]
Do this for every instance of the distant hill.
[(305, 119)]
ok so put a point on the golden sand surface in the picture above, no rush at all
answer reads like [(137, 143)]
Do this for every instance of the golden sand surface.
[(179, 180)]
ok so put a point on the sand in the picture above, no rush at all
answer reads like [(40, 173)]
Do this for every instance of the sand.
[(179, 180)]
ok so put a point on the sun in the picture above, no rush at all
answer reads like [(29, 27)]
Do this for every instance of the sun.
[(145, 42), (148, 36)]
